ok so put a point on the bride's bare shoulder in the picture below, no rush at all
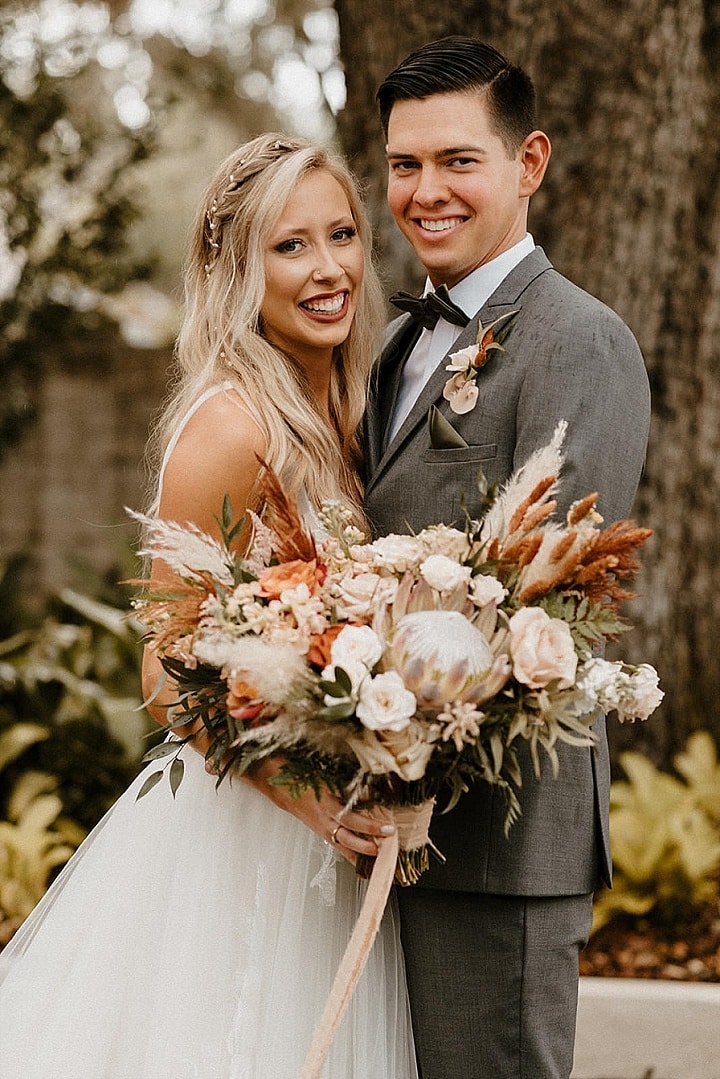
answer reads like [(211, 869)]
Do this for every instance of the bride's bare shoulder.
[(216, 453), (222, 423)]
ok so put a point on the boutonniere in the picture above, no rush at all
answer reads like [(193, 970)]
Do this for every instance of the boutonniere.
[(461, 389)]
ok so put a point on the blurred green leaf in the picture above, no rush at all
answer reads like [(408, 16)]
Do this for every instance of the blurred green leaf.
[(665, 837)]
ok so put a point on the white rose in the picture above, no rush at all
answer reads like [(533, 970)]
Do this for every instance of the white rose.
[(359, 596), (356, 644), (485, 589), (542, 649), (443, 573), (597, 680), (385, 704), (441, 539), (398, 553), (602, 681), (643, 694)]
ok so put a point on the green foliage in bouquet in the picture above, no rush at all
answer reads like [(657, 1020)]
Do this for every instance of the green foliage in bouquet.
[(665, 834)]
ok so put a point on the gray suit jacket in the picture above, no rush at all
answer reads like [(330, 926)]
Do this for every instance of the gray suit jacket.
[(567, 356)]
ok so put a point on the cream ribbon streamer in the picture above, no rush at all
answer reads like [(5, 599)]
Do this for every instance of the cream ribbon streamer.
[(412, 824)]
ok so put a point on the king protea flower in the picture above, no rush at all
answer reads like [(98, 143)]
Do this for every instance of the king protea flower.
[(441, 656)]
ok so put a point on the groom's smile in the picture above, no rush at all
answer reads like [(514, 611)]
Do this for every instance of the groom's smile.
[(441, 225)]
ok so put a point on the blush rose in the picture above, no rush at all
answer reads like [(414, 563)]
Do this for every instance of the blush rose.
[(542, 649)]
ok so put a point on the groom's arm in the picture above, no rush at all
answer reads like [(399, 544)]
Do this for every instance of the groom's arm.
[(588, 370)]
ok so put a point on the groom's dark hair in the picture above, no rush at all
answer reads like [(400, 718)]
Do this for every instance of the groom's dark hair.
[(465, 65)]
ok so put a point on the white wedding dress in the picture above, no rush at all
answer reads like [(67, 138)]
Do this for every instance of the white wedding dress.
[(197, 937)]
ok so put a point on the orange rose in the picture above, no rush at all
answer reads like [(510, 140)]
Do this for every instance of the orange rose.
[(240, 689), (275, 580), (321, 643), (242, 700)]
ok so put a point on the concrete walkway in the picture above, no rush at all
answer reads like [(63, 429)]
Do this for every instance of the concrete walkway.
[(633, 1029)]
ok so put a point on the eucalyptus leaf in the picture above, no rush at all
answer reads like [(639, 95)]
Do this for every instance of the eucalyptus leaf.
[(497, 749), (236, 528), (162, 679), (150, 782), (177, 771), (162, 750), (226, 512)]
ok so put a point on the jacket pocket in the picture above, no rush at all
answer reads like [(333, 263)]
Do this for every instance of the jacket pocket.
[(460, 455)]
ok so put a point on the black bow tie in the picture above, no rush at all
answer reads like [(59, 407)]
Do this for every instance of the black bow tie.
[(428, 309)]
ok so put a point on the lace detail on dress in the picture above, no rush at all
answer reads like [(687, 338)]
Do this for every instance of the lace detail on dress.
[(325, 880)]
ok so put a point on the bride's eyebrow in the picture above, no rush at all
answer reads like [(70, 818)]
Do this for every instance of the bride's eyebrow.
[(303, 230)]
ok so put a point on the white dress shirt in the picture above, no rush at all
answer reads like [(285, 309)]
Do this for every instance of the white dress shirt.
[(469, 294)]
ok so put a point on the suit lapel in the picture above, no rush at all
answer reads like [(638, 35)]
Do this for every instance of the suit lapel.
[(507, 297), (385, 384)]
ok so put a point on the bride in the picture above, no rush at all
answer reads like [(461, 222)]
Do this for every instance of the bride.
[(197, 936)]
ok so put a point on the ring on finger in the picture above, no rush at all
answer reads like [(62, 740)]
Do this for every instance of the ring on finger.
[(336, 829)]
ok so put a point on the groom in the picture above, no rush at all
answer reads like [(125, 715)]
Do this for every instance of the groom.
[(492, 936)]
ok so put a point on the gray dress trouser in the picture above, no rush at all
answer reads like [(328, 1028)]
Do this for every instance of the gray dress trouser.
[(493, 982)]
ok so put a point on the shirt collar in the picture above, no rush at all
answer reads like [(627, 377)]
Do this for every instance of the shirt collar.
[(479, 285)]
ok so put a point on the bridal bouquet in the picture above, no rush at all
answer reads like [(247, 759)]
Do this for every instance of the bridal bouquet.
[(396, 671)]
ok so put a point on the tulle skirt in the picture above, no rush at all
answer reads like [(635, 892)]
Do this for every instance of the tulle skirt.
[(197, 937)]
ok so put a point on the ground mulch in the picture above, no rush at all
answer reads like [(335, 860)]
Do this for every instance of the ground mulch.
[(633, 949)]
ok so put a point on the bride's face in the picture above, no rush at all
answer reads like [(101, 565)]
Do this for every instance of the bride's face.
[(313, 271)]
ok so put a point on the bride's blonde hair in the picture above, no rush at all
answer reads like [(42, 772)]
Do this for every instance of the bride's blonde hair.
[(221, 337)]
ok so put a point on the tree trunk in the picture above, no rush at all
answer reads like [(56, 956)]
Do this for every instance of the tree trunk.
[(629, 210)]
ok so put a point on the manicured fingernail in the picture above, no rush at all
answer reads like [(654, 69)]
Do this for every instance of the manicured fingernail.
[(388, 829)]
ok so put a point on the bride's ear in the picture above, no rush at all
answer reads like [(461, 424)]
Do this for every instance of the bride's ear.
[(534, 156)]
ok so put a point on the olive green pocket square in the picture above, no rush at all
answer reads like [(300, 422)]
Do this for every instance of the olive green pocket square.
[(443, 435)]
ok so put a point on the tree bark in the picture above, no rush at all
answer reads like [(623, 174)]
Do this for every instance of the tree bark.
[(629, 210)]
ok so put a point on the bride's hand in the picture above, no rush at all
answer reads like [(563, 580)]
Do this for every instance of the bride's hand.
[(351, 832)]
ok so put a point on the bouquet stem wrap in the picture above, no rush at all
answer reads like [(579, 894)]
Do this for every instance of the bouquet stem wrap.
[(412, 824)]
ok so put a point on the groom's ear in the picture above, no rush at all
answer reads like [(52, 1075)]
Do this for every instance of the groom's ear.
[(534, 156)]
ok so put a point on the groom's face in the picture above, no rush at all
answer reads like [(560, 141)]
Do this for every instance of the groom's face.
[(455, 189)]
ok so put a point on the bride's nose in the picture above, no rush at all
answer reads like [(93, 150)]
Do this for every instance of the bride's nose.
[(327, 267)]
